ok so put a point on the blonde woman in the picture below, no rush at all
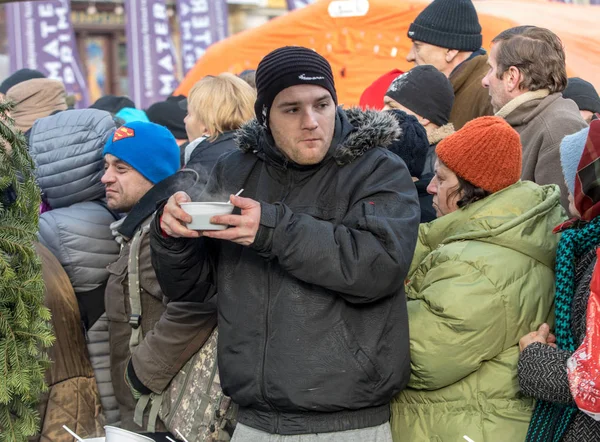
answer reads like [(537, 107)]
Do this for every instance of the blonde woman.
[(216, 108)]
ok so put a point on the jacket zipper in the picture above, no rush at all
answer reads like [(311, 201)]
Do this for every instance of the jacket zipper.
[(262, 385)]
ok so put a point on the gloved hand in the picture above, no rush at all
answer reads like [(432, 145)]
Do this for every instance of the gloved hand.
[(137, 388)]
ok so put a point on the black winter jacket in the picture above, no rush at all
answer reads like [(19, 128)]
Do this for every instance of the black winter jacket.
[(313, 332)]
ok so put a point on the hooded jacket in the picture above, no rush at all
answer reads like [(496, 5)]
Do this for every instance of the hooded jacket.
[(482, 277), (543, 121), (471, 99), (312, 316), (67, 152)]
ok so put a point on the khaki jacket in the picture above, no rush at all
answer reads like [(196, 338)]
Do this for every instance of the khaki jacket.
[(471, 99), (72, 399), (171, 332), (543, 121)]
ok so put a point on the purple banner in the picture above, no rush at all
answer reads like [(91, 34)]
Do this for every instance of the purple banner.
[(149, 51), (202, 23), (40, 36), (297, 4)]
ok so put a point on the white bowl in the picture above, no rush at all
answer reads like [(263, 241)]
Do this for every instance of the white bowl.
[(202, 213), (96, 439), (114, 434)]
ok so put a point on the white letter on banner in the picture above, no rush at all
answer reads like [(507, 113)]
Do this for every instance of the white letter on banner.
[(66, 54), (162, 45), (46, 29), (159, 11), (52, 48), (53, 68), (200, 22), (199, 6), (161, 28), (205, 38), (63, 23), (68, 75), (46, 11), (167, 82), (166, 63)]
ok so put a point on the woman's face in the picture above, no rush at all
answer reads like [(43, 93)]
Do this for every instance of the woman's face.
[(442, 187), (193, 126)]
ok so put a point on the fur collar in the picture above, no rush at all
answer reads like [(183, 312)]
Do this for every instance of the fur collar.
[(520, 100), (366, 130), (440, 133)]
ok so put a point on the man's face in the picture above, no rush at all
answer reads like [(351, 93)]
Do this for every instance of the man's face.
[(496, 87), (423, 53), (442, 187), (302, 122), (193, 126), (125, 186)]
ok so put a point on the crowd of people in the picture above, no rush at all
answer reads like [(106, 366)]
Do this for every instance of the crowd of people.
[(416, 269)]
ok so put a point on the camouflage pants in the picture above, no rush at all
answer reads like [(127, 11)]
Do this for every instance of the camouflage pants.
[(381, 433)]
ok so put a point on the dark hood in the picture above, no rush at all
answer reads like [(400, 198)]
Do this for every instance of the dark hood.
[(357, 131)]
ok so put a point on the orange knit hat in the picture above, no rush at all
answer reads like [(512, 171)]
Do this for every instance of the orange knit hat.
[(486, 152)]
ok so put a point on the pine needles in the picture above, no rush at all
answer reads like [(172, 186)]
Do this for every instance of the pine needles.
[(24, 321)]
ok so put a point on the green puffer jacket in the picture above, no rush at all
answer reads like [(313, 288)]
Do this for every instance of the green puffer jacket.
[(482, 277)]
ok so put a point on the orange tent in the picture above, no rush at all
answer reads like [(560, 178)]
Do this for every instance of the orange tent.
[(362, 48)]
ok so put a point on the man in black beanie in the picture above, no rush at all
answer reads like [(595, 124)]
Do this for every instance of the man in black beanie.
[(170, 113), (112, 103), (427, 94), (585, 97), (313, 331), (19, 77), (447, 35)]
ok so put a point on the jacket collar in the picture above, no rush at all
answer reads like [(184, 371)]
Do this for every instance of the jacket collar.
[(465, 71), (147, 205), (440, 133), (519, 101), (356, 132)]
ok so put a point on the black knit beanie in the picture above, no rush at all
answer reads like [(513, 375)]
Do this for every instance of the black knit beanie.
[(451, 24), (19, 77), (112, 103), (169, 113), (412, 145), (285, 67), (425, 91), (583, 93)]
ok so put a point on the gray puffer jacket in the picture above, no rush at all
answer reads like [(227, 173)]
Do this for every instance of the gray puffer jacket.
[(67, 151)]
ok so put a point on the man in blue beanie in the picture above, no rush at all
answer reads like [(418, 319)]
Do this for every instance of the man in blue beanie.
[(149, 341)]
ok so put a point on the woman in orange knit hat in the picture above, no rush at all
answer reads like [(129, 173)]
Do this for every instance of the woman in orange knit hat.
[(481, 276)]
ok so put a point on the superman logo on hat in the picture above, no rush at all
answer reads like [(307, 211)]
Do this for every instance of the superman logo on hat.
[(122, 133)]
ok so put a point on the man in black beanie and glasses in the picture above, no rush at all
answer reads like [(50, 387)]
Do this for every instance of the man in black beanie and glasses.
[(447, 35), (313, 332)]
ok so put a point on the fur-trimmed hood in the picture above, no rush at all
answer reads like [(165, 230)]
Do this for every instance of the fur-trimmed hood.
[(361, 130)]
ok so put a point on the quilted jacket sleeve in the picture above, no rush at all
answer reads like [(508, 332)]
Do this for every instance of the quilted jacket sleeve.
[(451, 333)]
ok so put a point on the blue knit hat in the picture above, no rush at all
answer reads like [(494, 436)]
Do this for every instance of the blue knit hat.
[(131, 114), (147, 147), (571, 149)]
